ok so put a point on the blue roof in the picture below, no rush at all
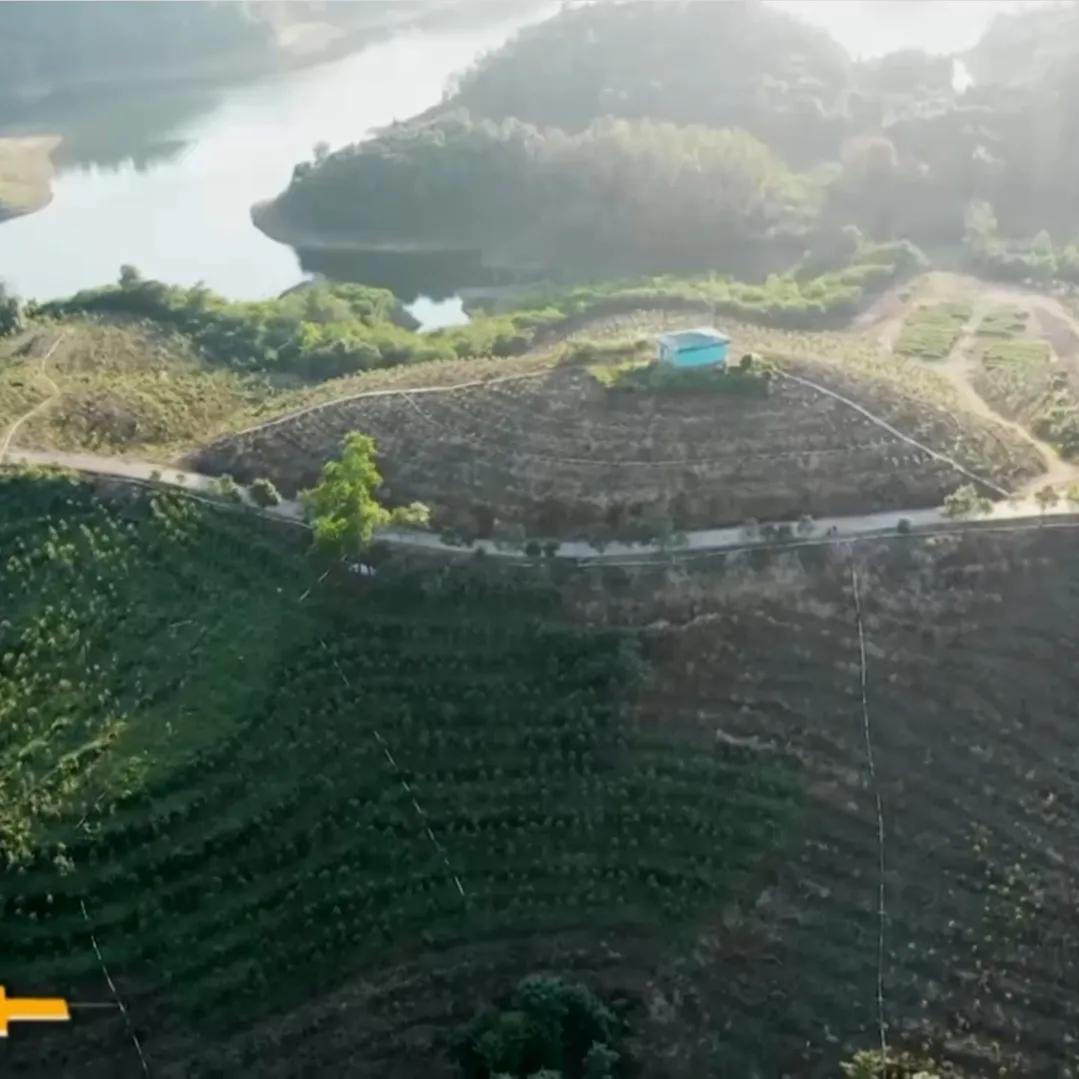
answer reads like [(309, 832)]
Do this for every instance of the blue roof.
[(696, 338)]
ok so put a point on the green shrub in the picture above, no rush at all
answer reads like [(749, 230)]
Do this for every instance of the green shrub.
[(264, 493)]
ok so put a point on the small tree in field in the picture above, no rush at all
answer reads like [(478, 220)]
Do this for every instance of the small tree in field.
[(342, 506), (1046, 497), (966, 502)]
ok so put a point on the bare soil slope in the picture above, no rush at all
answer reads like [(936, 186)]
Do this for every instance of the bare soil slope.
[(559, 454)]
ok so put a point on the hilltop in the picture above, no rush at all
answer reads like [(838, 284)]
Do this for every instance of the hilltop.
[(549, 448)]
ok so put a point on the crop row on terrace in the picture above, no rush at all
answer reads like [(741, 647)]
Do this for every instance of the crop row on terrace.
[(931, 330), (1019, 376), (207, 770), (560, 455), (971, 723)]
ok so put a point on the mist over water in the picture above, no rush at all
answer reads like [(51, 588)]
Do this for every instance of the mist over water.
[(175, 200)]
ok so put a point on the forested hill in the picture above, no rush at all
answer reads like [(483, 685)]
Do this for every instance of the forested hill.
[(629, 194), (654, 137), (737, 64)]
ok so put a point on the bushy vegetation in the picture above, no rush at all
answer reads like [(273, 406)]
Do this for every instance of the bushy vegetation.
[(1037, 258), (966, 501), (749, 376), (316, 332), (547, 1027), (622, 193), (778, 78), (931, 330), (798, 299), (343, 507)]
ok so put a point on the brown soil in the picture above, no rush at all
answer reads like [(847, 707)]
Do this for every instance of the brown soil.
[(561, 455)]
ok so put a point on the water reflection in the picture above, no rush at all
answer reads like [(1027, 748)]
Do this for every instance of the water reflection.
[(165, 181)]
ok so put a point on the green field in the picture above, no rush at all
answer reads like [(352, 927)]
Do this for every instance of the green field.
[(1019, 353), (930, 331), (1004, 322), (225, 772)]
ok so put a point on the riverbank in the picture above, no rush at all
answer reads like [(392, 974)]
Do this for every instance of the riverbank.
[(26, 172), (268, 218)]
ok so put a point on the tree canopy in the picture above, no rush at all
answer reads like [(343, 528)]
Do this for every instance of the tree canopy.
[(343, 506), (628, 193)]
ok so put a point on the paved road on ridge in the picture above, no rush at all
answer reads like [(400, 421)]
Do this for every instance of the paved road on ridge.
[(825, 529)]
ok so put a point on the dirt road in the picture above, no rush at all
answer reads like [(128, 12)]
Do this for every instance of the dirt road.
[(885, 318), (54, 392)]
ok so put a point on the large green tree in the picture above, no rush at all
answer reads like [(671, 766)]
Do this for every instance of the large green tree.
[(343, 506)]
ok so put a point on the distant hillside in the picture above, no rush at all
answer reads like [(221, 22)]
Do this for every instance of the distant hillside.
[(736, 64)]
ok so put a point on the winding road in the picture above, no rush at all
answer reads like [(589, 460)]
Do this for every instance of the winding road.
[(1015, 509), (825, 530)]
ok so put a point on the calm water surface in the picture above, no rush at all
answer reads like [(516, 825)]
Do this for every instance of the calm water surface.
[(184, 217)]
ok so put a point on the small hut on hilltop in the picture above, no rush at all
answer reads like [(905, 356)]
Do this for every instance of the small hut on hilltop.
[(701, 347)]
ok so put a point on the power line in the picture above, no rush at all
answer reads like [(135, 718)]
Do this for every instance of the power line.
[(115, 992), (882, 913)]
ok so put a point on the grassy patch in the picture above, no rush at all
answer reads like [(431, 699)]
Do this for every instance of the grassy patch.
[(644, 375), (1021, 380), (930, 332), (124, 388), (1021, 353), (1004, 322), (201, 758)]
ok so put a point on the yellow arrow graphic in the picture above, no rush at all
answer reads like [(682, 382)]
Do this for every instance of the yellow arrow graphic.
[(31, 1010)]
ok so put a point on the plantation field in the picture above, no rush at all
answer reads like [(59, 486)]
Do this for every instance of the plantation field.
[(971, 725), (560, 454), (124, 388), (251, 783), (931, 330), (1018, 375)]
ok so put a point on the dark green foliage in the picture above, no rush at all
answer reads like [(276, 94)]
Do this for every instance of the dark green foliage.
[(319, 331), (546, 1024), (264, 493), (622, 193), (244, 839), (724, 65)]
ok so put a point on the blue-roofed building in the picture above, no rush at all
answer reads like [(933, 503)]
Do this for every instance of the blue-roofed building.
[(702, 347)]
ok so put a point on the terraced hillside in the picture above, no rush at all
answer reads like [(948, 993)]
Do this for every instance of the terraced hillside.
[(357, 811), (970, 722), (249, 785), (561, 455)]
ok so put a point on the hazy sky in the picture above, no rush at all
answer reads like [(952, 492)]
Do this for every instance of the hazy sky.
[(873, 27)]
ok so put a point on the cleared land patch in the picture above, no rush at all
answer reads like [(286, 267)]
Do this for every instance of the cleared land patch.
[(931, 331), (125, 388), (1018, 376)]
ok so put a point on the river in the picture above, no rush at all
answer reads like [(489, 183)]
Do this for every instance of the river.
[(180, 210)]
